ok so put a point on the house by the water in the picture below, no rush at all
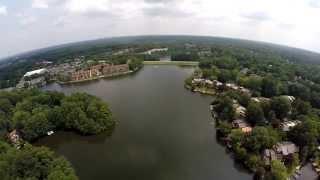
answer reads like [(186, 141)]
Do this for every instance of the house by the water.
[(99, 70)]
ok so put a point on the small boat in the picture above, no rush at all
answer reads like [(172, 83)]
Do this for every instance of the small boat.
[(50, 133)]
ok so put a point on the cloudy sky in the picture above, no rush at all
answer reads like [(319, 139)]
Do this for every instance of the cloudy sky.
[(32, 24)]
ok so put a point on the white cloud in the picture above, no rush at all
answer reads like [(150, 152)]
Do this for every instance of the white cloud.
[(83, 6), (40, 4), (290, 22), (45, 4), (257, 16), (26, 19), (315, 3), (94, 8), (3, 10)]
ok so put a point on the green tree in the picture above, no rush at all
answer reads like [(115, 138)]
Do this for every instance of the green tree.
[(301, 107), (6, 106), (281, 106), (223, 106), (293, 162), (226, 62), (207, 73), (306, 133), (33, 163), (253, 162), (205, 64), (135, 64), (270, 87), (260, 173), (224, 129), (227, 75), (252, 82), (261, 138), (299, 90), (19, 119), (255, 113), (278, 170), (240, 152), (86, 114), (237, 137)]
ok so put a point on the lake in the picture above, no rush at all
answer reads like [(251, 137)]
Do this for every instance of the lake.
[(164, 131)]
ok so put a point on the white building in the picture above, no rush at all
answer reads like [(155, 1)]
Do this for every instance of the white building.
[(156, 50), (36, 72), (217, 83), (34, 78), (260, 99)]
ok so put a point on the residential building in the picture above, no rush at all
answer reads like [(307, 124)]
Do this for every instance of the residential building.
[(15, 139), (286, 148), (232, 86), (280, 151), (99, 70), (269, 155), (242, 125), (217, 83), (238, 88), (36, 78), (38, 72), (260, 99), (290, 98), (241, 111), (149, 52), (287, 125)]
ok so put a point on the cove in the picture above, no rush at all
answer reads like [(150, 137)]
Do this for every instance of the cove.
[(164, 131)]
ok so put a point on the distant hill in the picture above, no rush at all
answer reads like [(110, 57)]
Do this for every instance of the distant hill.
[(13, 68), (78, 48)]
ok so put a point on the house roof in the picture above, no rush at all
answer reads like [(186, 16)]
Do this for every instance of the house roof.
[(240, 123), (286, 148), (259, 99), (247, 129), (270, 154), (39, 71), (290, 98), (286, 125)]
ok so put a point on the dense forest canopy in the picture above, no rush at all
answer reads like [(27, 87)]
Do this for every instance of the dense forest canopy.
[(107, 44), (34, 113), (256, 96), (27, 115), (33, 163)]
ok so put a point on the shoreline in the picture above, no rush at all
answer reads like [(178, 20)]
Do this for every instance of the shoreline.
[(175, 63), (98, 77), (202, 91), (306, 170), (179, 63)]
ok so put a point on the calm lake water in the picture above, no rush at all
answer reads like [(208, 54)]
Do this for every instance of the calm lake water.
[(164, 133)]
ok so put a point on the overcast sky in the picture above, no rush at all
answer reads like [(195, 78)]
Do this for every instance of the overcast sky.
[(32, 24)]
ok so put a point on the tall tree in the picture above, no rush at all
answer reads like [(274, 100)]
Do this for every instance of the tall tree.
[(261, 138), (255, 113), (281, 106), (270, 87), (278, 170)]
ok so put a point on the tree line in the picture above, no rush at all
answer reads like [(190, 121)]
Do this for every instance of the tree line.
[(272, 79), (32, 113)]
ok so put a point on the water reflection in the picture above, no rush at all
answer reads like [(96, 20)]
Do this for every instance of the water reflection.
[(165, 132)]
